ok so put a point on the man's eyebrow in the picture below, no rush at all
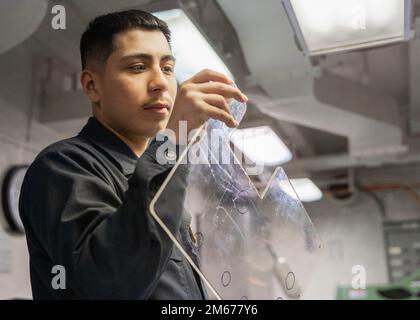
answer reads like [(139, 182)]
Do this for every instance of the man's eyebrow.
[(146, 56), (168, 57)]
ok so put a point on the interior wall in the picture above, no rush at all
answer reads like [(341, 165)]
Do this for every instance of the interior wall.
[(353, 235), (20, 140)]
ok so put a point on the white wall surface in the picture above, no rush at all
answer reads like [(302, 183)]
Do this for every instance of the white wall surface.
[(353, 235), (20, 141)]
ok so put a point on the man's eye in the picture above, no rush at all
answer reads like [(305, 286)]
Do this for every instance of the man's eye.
[(138, 67), (168, 69)]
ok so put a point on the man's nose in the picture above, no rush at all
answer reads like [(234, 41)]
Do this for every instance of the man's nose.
[(158, 81)]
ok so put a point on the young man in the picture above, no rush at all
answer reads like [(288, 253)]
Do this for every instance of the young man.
[(84, 201)]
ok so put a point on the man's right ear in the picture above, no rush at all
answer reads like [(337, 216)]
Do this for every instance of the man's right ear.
[(90, 85)]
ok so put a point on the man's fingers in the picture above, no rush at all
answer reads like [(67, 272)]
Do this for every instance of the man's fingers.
[(222, 115), (222, 89), (217, 101), (208, 75)]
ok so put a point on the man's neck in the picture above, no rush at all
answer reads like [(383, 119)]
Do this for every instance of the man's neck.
[(137, 144)]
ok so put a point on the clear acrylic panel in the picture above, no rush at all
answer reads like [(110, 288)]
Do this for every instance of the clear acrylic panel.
[(249, 245)]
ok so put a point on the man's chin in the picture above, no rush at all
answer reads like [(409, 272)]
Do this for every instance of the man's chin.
[(152, 132)]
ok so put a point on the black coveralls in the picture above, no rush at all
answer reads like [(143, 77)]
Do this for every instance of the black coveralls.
[(84, 205)]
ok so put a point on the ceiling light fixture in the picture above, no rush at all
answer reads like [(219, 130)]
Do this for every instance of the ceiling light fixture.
[(327, 26), (191, 49), (261, 145)]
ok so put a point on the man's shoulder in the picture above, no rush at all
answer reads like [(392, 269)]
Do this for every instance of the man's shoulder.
[(54, 163), (73, 144), (76, 148)]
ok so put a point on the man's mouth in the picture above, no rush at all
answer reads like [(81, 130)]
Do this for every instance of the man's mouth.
[(158, 107)]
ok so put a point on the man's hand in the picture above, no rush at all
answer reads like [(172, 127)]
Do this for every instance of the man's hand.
[(205, 95)]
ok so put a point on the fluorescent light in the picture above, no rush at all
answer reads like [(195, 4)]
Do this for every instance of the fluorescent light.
[(305, 189), (261, 145), (325, 26), (192, 51)]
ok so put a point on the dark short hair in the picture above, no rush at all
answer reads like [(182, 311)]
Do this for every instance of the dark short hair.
[(97, 42)]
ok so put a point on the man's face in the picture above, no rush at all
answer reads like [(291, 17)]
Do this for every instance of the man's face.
[(137, 87)]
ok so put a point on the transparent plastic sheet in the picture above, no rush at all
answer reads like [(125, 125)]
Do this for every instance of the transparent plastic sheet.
[(249, 245)]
